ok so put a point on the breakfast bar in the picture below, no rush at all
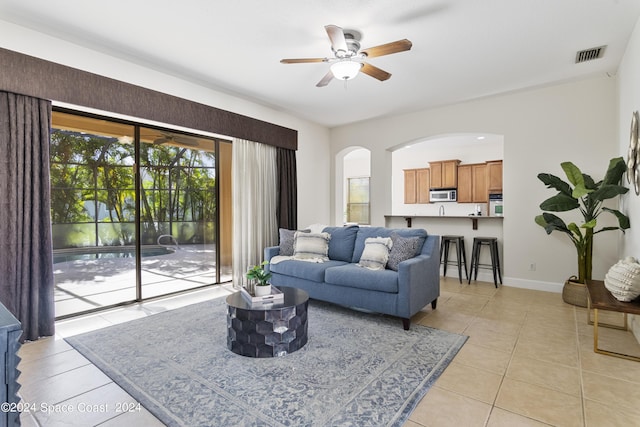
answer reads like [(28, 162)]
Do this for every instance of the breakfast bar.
[(468, 226)]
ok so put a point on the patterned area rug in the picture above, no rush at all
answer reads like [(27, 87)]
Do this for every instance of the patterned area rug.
[(357, 369)]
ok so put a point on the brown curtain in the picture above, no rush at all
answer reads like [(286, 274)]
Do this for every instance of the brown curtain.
[(26, 264), (287, 209)]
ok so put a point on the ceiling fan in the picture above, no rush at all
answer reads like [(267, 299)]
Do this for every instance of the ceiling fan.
[(348, 59)]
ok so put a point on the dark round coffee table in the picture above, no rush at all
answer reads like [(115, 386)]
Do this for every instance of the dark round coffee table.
[(269, 330)]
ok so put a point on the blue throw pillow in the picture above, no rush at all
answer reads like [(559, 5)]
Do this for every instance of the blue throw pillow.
[(342, 242)]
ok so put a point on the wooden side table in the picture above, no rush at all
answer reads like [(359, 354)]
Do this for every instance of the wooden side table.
[(601, 299)]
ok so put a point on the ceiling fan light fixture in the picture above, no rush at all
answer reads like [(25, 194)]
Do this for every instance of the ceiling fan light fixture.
[(346, 69)]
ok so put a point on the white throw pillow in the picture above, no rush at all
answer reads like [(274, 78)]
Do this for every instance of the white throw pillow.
[(623, 279), (311, 246), (376, 253)]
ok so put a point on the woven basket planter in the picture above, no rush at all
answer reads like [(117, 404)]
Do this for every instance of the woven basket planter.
[(575, 293)]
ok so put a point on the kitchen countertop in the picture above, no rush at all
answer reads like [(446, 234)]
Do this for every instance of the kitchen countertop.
[(474, 218)]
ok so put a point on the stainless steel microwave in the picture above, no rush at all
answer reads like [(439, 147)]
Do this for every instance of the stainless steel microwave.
[(443, 195)]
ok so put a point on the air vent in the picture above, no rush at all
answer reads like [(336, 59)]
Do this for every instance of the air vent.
[(590, 54)]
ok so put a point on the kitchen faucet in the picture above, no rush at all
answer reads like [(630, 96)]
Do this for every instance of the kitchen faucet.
[(441, 211)]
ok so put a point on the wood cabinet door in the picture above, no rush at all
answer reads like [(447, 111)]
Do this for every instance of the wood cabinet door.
[(450, 174), (480, 192), (410, 186), (494, 176), (436, 174), (423, 185), (465, 194)]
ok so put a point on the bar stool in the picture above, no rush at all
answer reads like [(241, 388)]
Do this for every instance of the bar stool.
[(460, 251), (492, 242)]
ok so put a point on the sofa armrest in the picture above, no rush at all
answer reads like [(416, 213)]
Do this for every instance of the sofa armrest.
[(419, 278), (270, 252)]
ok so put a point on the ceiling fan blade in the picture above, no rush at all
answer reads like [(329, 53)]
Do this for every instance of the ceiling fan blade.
[(186, 141), (375, 72), (326, 79), (388, 49), (303, 60), (336, 35)]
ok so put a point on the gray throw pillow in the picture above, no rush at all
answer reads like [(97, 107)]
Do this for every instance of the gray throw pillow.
[(286, 241), (403, 249)]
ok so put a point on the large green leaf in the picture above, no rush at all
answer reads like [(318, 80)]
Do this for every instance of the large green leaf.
[(559, 203), (623, 220), (589, 183), (607, 229), (552, 181), (575, 230), (574, 175), (580, 190), (608, 191), (553, 222), (617, 168), (539, 219)]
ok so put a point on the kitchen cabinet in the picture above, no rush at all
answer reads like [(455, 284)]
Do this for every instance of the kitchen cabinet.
[(416, 186), (444, 174), (423, 185), (472, 183), (410, 195), (465, 194), (479, 183), (494, 176)]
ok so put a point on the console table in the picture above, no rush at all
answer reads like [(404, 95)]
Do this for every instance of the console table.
[(601, 299)]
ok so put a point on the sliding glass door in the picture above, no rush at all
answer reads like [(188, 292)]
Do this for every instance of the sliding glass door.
[(135, 212), (177, 211)]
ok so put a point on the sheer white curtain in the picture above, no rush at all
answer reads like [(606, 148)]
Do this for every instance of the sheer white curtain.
[(255, 200)]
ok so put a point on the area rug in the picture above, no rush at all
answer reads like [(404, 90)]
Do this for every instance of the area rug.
[(357, 369)]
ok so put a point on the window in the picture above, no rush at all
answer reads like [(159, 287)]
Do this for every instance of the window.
[(358, 200)]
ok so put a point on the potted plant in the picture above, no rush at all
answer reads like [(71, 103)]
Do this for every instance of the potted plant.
[(261, 278), (587, 196)]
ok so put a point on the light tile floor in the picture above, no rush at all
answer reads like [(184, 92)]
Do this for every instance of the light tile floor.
[(529, 361)]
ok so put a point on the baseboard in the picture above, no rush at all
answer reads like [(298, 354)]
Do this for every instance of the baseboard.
[(535, 285), (487, 276)]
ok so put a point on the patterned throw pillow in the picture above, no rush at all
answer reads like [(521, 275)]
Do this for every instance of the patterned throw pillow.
[(403, 249), (376, 253), (286, 241), (311, 246)]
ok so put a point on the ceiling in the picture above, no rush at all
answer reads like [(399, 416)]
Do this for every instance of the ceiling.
[(462, 49)]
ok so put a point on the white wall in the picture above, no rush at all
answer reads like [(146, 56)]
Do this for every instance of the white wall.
[(629, 101), (542, 127), (313, 156)]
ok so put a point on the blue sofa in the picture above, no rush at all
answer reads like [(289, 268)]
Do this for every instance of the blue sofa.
[(340, 280)]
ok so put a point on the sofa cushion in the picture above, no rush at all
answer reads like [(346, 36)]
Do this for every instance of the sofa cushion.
[(311, 246), (287, 238), (343, 239), (353, 276), (365, 232), (314, 271), (402, 249), (376, 253)]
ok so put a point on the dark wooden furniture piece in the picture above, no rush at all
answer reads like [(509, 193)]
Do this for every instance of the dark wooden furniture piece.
[(267, 330), (601, 299), (10, 331)]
